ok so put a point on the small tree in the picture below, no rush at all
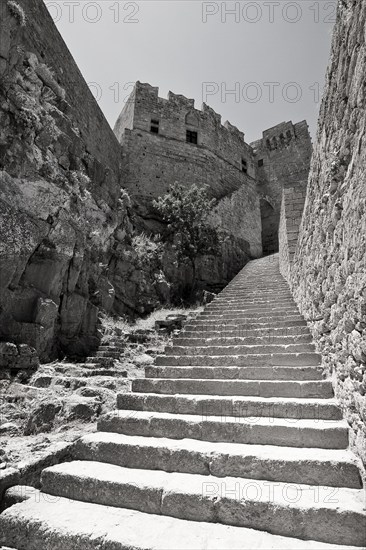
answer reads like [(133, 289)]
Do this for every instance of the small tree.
[(186, 209)]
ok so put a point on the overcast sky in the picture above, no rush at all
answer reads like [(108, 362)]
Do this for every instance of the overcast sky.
[(272, 55)]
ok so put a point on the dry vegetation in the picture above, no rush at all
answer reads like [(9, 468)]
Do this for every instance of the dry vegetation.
[(62, 400)]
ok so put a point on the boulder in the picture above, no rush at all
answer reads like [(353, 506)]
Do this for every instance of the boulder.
[(42, 417), (171, 323)]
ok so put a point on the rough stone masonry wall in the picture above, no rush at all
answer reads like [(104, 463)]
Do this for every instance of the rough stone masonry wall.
[(64, 219), (286, 151), (175, 115), (329, 275), (292, 207)]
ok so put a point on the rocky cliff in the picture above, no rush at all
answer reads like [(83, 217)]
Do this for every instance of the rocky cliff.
[(328, 275), (65, 220)]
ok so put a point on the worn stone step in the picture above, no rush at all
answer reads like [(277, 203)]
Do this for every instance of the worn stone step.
[(289, 309), (324, 434), (262, 294), (183, 341), (265, 360), (246, 332), (261, 388), (335, 468), (113, 347), (252, 318), (227, 324), (109, 353), (105, 361), (237, 501), (234, 373), (221, 298), (90, 371), (238, 406), (251, 311), (68, 524), (239, 349)]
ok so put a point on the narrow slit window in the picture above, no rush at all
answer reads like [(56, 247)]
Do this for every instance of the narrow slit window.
[(260, 162), (154, 127), (191, 137), (244, 166)]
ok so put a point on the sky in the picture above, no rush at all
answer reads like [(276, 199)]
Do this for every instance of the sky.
[(257, 63)]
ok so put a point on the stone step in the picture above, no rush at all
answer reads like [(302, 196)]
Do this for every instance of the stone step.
[(250, 318), (334, 468), (116, 346), (250, 311), (324, 434), (91, 371), (109, 353), (105, 361), (261, 388), (235, 373), (68, 524), (339, 517), (183, 341), (238, 407), (289, 309), (245, 332), (265, 360), (228, 324), (262, 291), (240, 349), (259, 299), (255, 292)]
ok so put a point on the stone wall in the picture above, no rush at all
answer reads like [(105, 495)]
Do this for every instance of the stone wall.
[(282, 158), (292, 207), (176, 115), (329, 275)]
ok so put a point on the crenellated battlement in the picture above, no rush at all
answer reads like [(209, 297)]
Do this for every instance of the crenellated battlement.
[(175, 115)]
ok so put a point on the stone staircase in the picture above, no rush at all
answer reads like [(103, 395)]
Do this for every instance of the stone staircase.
[(232, 441)]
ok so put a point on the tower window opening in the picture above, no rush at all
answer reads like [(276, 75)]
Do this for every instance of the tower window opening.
[(260, 162), (244, 166), (154, 126), (191, 137)]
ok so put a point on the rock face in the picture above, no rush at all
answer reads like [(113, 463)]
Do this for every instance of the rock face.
[(60, 186), (328, 273), (66, 232)]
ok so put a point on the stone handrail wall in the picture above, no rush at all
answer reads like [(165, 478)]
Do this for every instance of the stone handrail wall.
[(292, 206)]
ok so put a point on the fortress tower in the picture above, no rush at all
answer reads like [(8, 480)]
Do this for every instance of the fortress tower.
[(168, 140)]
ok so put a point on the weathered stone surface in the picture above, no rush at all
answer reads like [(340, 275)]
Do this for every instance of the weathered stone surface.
[(42, 417), (171, 323), (328, 270), (66, 226), (17, 357), (66, 525)]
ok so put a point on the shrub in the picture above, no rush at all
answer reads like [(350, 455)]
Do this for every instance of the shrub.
[(186, 209), (77, 177), (29, 119), (147, 249)]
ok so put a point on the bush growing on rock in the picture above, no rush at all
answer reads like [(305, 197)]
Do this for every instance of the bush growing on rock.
[(186, 210)]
